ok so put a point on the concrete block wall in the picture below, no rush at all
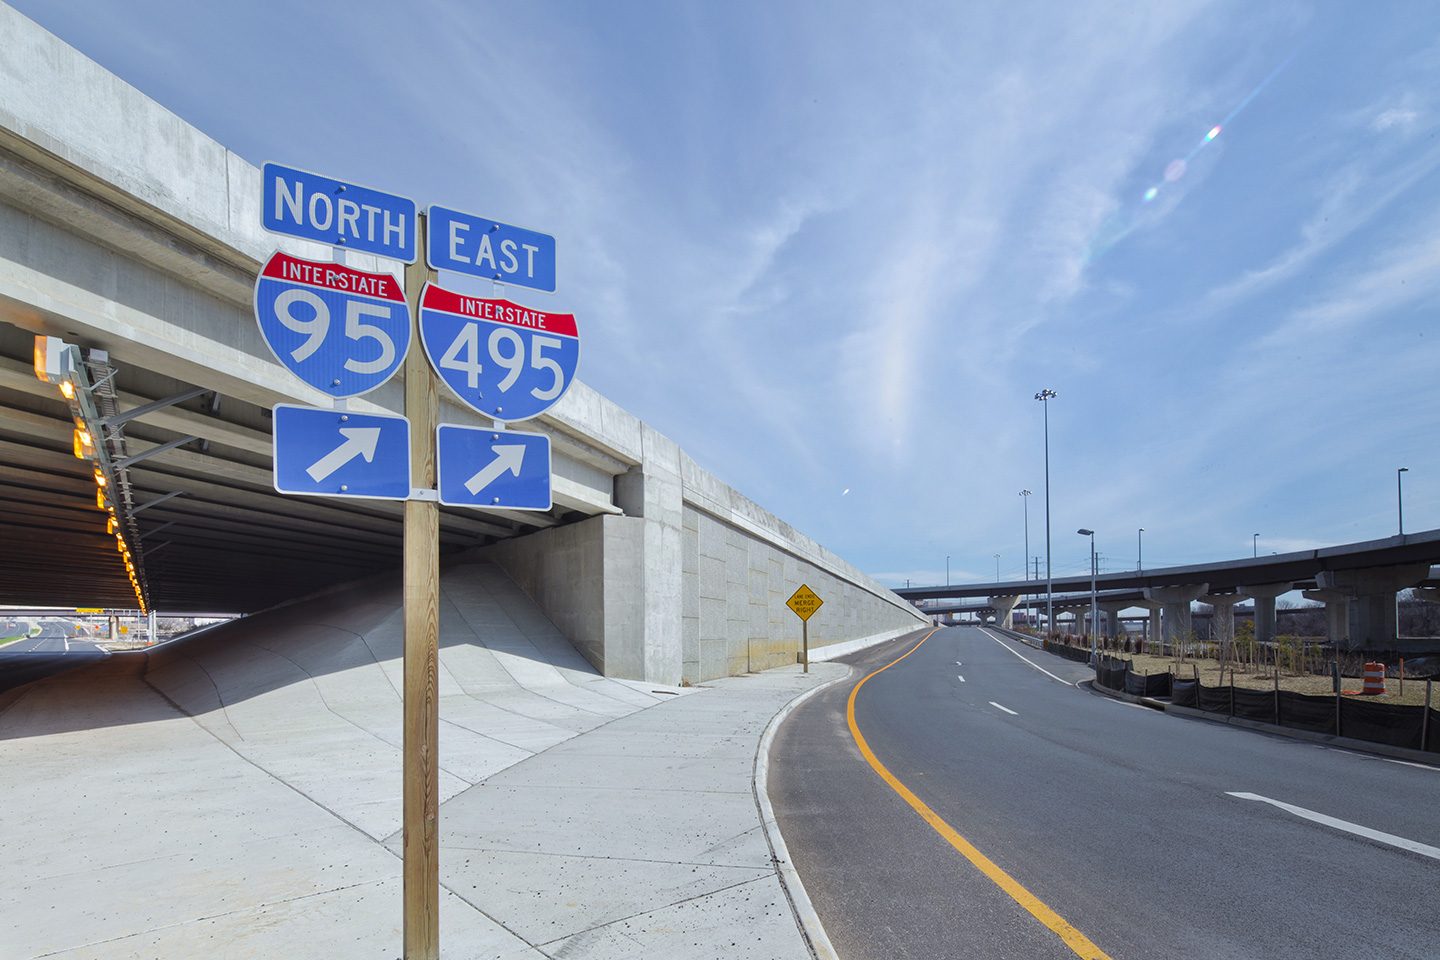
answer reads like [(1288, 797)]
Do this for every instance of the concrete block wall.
[(733, 613), (691, 583)]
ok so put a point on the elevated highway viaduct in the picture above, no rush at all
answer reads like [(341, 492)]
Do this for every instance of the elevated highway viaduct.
[(132, 236), (1357, 582)]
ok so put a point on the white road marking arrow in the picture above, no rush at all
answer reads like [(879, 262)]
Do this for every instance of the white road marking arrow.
[(508, 456), (359, 442)]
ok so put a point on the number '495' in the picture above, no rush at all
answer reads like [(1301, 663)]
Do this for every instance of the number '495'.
[(506, 348)]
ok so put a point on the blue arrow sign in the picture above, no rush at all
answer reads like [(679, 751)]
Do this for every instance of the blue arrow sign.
[(312, 207), (505, 469), (506, 361), (335, 453), (465, 243), (343, 331)]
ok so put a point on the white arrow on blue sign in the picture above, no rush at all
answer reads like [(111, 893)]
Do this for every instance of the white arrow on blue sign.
[(499, 469), (297, 203), (343, 331), (335, 453), (465, 243), (506, 361)]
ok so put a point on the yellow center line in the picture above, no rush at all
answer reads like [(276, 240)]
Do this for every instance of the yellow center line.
[(1073, 938)]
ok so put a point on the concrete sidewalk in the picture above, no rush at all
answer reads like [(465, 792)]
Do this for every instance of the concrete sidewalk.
[(135, 830)]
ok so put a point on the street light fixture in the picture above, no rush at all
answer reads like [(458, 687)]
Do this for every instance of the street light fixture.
[(1400, 498), (1094, 606), (1045, 396), (1140, 551)]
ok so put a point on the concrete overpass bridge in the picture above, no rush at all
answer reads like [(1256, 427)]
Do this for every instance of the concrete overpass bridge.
[(1357, 582), (135, 238)]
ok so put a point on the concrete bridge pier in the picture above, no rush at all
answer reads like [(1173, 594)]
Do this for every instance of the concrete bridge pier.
[(1264, 595), (1224, 618), (1112, 616), (1175, 607), (1337, 615), (1373, 622), (1004, 610), (1152, 629)]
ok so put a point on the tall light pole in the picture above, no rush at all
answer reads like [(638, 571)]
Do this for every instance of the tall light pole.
[(1255, 546), (1140, 551), (1094, 606), (947, 571), (1025, 499), (1400, 498), (1045, 396), (997, 568)]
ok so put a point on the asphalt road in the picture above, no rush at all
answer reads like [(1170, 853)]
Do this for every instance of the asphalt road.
[(44, 655), (1118, 818)]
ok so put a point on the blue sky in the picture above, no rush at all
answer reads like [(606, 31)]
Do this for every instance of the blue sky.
[(833, 246)]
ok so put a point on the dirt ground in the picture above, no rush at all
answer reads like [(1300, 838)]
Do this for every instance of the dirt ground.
[(1263, 678)]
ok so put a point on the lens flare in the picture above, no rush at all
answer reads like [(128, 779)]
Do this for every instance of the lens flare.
[(1121, 223)]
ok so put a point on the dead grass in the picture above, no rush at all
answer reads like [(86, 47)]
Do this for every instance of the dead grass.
[(1249, 678)]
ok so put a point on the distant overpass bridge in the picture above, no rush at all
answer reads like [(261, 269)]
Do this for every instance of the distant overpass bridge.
[(128, 233), (1357, 582)]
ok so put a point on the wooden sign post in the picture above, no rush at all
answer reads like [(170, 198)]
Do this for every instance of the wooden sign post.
[(421, 774)]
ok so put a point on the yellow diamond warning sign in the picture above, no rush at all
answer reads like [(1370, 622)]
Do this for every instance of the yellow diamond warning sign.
[(804, 602)]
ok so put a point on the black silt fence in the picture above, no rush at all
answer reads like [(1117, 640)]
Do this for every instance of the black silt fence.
[(1399, 725), (1078, 654)]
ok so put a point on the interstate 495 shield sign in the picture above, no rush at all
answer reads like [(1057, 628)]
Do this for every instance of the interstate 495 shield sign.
[(504, 360)]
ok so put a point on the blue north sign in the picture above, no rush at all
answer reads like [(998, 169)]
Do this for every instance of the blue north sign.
[(312, 207)]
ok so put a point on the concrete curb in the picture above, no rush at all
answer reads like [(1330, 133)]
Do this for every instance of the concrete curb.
[(1347, 743), (809, 921)]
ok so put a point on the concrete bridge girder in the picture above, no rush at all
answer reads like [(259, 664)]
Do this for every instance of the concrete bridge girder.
[(1175, 603)]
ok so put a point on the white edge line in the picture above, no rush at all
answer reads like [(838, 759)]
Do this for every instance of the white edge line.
[(1006, 709), (1025, 658), (805, 915), (1404, 844)]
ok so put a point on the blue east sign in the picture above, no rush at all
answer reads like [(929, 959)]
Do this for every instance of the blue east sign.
[(499, 469), (336, 453), (464, 243), (312, 207)]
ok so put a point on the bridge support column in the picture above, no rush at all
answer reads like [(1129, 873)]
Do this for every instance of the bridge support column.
[(1264, 595), (1337, 615), (1224, 618), (1372, 613), (1004, 608), (1112, 616), (1175, 612), (1152, 626)]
